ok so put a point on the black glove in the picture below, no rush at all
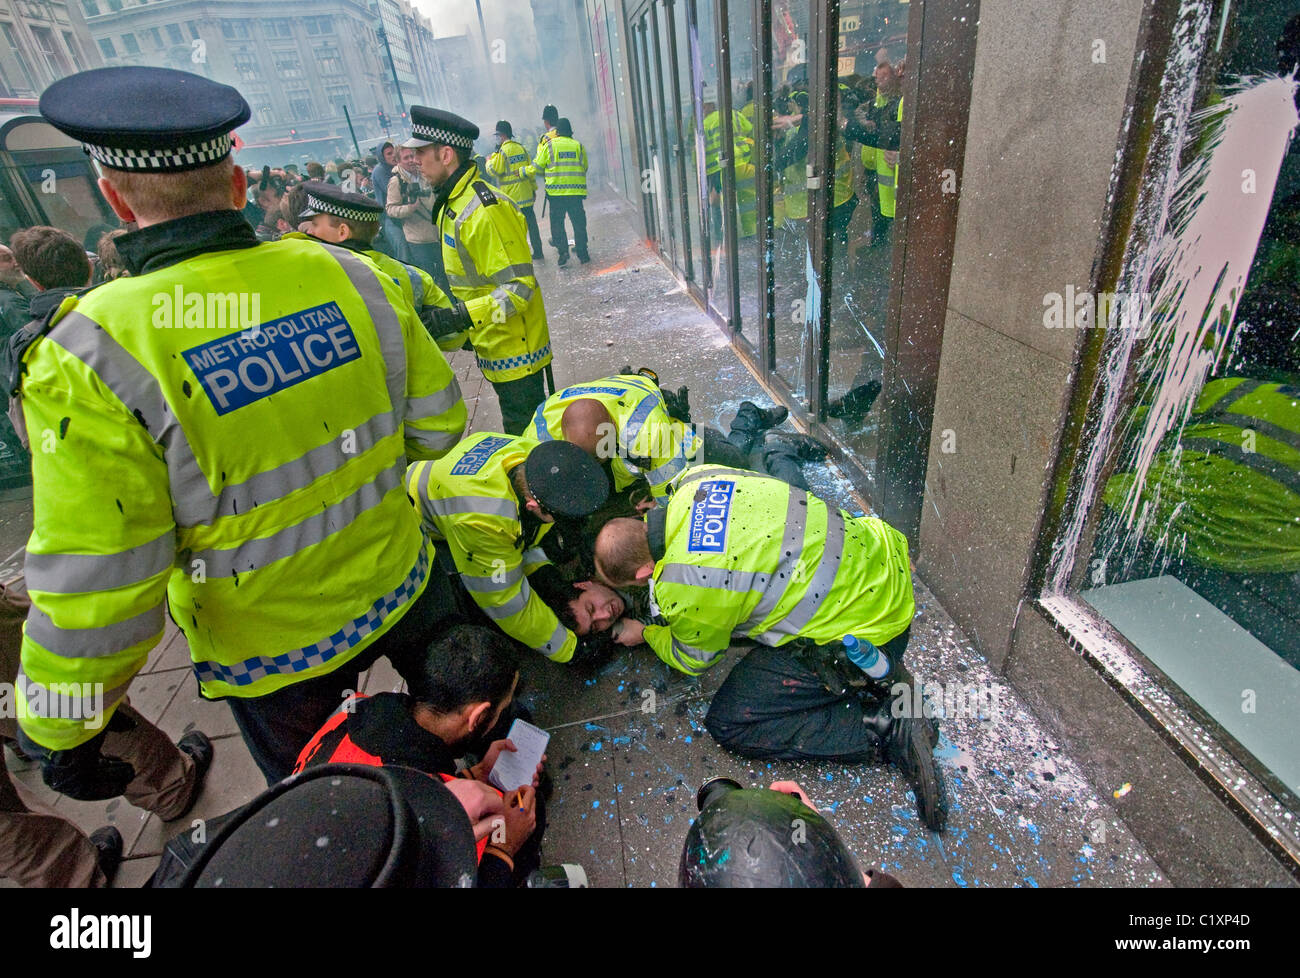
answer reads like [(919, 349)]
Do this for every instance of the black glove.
[(80, 772), (443, 322)]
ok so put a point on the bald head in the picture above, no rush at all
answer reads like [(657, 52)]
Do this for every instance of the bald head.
[(623, 553), (584, 423)]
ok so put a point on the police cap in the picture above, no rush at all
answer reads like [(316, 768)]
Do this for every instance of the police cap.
[(504, 129), (430, 126), (567, 482), (325, 198), (157, 120)]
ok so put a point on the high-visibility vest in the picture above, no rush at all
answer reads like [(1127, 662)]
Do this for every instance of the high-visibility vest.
[(646, 442), (563, 160), (509, 165), (874, 158), (741, 127), (489, 264), (746, 189), (243, 470), (467, 500), (843, 188), (749, 556), (417, 285), (1225, 489), (344, 750)]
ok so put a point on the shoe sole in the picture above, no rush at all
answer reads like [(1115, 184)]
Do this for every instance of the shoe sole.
[(925, 777)]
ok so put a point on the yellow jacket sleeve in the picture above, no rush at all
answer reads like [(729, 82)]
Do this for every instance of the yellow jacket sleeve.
[(435, 411), (515, 285)]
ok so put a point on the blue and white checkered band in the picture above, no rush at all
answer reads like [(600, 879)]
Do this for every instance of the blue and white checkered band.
[(339, 210), (436, 135), (163, 160)]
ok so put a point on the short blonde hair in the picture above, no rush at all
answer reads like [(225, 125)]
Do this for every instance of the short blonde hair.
[(158, 197)]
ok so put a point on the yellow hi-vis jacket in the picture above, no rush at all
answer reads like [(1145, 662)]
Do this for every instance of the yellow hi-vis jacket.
[(417, 285), (466, 499), (646, 442), (740, 555), (227, 439), (563, 160), (489, 264), (509, 165)]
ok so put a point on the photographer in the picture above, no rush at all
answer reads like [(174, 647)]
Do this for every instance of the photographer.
[(410, 201)]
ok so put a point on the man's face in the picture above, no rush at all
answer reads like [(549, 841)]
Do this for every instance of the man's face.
[(10, 273), (596, 608), (436, 162), (492, 716), (320, 226), (408, 159), (390, 155)]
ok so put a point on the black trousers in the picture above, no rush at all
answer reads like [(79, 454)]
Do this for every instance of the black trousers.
[(746, 449), (773, 706), (519, 399), (534, 232), (278, 725), (577, 214)]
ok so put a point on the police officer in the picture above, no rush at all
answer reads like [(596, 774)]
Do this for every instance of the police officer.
[(509, 165), (352, 221), (489, 504), (736, 555), (231, 423), (625, 422), (485, 250), (564, 162)]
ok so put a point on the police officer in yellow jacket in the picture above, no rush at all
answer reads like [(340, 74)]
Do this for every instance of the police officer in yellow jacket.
[(351, 221), (485, 251), (509, 165), (489, 504), (229, 426), (827, 596), (564, 162)]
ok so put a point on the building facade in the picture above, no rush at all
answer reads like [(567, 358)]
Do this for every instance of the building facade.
[(41, 41), (1052, 333)]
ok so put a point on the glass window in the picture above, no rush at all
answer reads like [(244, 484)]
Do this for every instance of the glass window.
[(156, 36), (287, 64), (301, 106), (174, 34), (194, 30), (328, 61), (131, 44), (16, 52), (106, 47), (246, 65), (745, 132), (233, 28), (50, 50), (319, 25), (277, 28), (91, 7), (1196, 558)]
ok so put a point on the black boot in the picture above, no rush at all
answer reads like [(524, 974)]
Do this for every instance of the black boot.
[(855, 404), (764, 418), (806, 448), (909, 745)]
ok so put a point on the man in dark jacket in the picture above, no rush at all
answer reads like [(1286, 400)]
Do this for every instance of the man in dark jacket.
[(14, 294)]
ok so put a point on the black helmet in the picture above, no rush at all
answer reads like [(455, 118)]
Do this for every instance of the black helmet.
[(762, 838)]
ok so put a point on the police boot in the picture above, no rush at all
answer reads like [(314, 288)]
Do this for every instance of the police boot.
[(806, 448), (855, 404), (909, 745)]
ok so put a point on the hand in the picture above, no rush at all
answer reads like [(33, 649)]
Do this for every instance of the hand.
[(483, 768), (645, 505), (520, 819), (792, 788), (484, 806), (630, 633)]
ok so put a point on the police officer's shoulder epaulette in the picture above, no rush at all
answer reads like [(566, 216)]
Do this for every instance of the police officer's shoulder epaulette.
[(484, 192)]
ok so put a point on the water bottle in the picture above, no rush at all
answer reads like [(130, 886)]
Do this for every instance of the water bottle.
[(866, 657)]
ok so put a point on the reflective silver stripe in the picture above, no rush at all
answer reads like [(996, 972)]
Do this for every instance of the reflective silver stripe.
[(536, 556), (1246, 422), (85, 706), (487, 584), (1231, 397), (432, 405), (709, 472), (524, 292), (513, 272), (1273, 469), (513, 606), (94, 643), (823, 580), (555, 643), (666, 472), (792, 544), (883, 179), (84, 573), (422, 499), (434, 441), (718, 578), (140, 393), (417, 286), (255, 554), (388, 329), (471, 206), (681, 650), (489, 505)]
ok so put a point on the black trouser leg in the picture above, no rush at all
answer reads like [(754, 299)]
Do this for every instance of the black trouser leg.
[(780, 459), (559, 237), (534, 232), (519, 399), (722, 450), (578, 215)]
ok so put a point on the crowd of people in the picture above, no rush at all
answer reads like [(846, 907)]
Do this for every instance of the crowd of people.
[(295, 543)]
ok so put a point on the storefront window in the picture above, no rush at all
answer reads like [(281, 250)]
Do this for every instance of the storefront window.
[(1196, 557), (745, 133)]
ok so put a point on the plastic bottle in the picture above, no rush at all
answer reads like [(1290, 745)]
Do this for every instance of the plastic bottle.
[(866, 657)]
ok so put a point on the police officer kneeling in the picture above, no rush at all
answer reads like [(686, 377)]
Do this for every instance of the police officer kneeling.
[(234, 421)]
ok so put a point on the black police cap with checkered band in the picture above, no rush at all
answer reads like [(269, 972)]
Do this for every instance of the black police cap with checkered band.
[(566, 481), (325, 198), (429, 126), (155, 120)]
